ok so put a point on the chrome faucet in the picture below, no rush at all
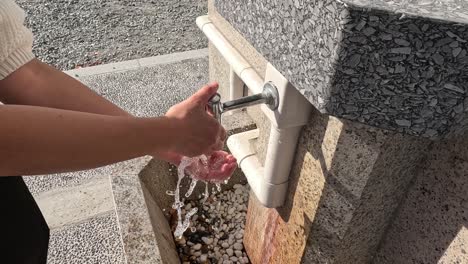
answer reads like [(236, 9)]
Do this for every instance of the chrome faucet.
[(268, 96)]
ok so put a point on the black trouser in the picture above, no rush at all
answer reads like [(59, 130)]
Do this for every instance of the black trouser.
[(24, 234)]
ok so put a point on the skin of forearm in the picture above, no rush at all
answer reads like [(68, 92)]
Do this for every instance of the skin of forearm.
[(39, 140), (39, 84)]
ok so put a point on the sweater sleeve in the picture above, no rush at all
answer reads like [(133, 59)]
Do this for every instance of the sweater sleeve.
[(15, 38)]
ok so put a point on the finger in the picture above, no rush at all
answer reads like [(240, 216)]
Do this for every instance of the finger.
[(219, 145), (205, 93), (222, 134), (209, 110)]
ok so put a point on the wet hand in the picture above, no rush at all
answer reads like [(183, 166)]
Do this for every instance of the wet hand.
[(218, 167), (194, 130)]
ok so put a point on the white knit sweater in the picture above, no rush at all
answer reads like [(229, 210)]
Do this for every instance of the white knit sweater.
[(15, 38)]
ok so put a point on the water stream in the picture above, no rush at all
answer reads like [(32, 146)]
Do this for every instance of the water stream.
[(183, 225)]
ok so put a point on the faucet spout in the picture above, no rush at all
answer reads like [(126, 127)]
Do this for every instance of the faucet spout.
[(268, 96)]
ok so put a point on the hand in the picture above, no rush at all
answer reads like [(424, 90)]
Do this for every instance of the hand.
[(219, 167), (195, 132)]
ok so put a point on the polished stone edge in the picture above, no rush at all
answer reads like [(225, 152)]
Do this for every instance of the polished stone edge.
[(138, 63), (137, 233)]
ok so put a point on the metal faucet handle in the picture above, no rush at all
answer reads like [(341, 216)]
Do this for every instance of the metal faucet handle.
[(216, 106), (215, 99)]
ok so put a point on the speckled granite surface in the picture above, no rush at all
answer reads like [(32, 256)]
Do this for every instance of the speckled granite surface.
[(372, 65)]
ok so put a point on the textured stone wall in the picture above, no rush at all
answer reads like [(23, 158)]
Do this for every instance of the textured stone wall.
[(378, 67), (431, 226)]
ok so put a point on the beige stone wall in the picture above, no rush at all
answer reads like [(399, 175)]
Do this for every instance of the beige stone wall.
[(431, 226)]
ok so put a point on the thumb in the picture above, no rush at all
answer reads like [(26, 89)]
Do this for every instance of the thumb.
[(206, 92)]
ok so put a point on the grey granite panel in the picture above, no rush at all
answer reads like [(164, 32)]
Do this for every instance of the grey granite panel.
[(393, 71), (449, 10), (96, 240)]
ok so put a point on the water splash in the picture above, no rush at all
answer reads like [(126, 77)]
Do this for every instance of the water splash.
[(202, 164), (191, 188), (206, 194), (182, 226)]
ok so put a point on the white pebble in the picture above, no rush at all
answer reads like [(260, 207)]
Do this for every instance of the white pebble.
[(203, 258), (207, 240), (231, 210), (238, 253), (245, 259), (229, 251), (197, 253), (225, 257), (234, 259), (237, 186), (239, 235), (182, 241), (238, 246), (225, 245), (197, 247)]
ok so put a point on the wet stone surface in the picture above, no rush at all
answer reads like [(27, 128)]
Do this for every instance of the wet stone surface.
[(216, 231), (379, 67)]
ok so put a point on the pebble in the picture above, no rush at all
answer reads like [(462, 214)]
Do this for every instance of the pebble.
[(197, 247), (238, 246), (231, 210), (221, 224), (207, 240), (182, 241)]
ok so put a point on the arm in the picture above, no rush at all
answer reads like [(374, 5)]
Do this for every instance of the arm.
[(38, 84), (39, 140)]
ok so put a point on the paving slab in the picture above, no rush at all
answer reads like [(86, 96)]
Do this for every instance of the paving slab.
[(96, 240)]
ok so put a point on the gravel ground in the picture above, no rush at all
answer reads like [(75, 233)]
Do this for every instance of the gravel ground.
[(79, 33), (218, 228)]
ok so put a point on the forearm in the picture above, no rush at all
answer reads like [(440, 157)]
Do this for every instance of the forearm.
[(38, 84), (37, 140)]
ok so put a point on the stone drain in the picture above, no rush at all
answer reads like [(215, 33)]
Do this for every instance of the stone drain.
[(216, 230)]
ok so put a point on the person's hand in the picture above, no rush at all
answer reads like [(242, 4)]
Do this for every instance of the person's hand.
[(218, 167), (195, 132)]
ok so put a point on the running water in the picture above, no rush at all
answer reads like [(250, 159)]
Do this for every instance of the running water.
[(183, 225)]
